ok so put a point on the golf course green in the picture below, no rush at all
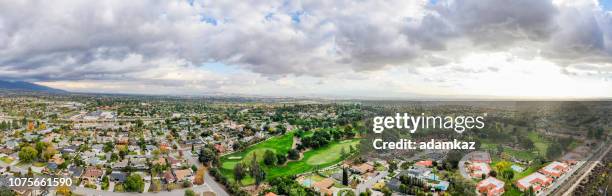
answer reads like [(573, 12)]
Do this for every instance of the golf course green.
[(312, 159)]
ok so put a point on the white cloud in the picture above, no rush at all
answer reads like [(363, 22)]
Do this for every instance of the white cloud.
[(342, 48)]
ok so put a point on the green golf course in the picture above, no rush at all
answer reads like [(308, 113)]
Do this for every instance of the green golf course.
[(312, 159)]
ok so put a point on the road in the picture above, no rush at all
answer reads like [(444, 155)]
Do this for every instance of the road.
[(576, 176), (176, 192), (588, 170), (208, 179)]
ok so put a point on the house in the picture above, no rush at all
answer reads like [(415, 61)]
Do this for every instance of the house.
[(57, 159), (362, 168), (220, 148), (425, 163), (183, 174), (554, 169), (169, 177), (121, 164), (270, 194), (75, 171), (418, 172), (68, 149), (174, 163), (535, 180), (159, 161), (93, 174), (477, 169), (6, 151), (324, 186), (139, 163), (394, 184), (11, 144), (51, 166), (490, 186), (117, 176)]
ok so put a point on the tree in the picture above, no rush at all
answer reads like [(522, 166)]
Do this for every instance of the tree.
[(281, 129), (48, 153), (239, 173), (294, 154), (269, 157), (345, 180), (189, 192), (199, 178), (186, 184), (260, 176), (108, 146), (554, 150), (28, 154), (598, 133), (63, 190), (114, 157), (500, 148), (281, 159), (105, 182), (393, 166), (206, 155), (134, 183), (386, 191), (508, 174), (502, 165), (493, 173)]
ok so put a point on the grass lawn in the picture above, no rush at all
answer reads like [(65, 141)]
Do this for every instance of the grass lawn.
[(279, 145), (513, 192), (526, 172), (6, 159), (330, 154), (319, 158), (314, 158), (39, 164), (541, 144)]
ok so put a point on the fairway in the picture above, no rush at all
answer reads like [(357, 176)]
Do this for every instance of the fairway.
[(259, 152), (330, 154), (313, 156), (311, 160), (279, 145)]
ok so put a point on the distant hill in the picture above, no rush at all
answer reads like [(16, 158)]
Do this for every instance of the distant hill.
[(27, 86)]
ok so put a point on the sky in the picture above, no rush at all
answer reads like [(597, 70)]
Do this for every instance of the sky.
[(331, 49)]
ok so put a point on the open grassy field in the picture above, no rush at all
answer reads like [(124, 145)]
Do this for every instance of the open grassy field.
[(312, 159)]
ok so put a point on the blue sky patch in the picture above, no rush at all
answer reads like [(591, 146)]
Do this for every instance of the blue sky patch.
[(296, 16), (208, 19)]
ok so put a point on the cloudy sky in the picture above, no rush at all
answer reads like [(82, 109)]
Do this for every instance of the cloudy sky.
[(338, 49)]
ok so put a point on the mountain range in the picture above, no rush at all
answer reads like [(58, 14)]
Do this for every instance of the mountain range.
[(27, 86)]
